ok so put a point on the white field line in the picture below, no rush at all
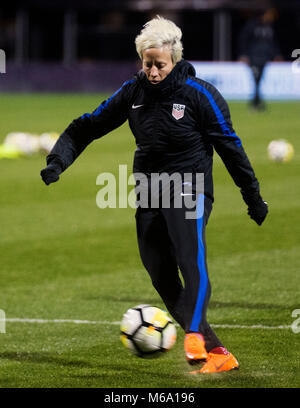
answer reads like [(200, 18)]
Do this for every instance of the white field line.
[(111, 323)]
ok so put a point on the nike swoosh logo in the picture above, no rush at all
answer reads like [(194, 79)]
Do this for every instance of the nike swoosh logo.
[(221, 365), (136, 106)]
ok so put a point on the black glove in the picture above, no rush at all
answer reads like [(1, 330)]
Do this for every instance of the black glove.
[(257, 207), (51, 173), (258, 212)]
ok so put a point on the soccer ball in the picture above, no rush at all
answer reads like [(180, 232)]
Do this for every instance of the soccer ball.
[(25, 143), (147, 331), (280, 151)]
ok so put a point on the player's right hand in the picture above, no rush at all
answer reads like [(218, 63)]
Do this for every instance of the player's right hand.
[(51, 173)]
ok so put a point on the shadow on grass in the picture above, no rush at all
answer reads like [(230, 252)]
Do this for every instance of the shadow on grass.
[(213, 304), (244, 305), (131, 300), (44, 358)]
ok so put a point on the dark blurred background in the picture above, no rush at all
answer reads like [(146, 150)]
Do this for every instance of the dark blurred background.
[(71, 33)]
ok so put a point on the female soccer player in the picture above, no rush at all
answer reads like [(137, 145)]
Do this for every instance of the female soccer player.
[(177, 121)]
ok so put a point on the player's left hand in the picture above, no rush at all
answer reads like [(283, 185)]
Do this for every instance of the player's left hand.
[(257, 207), (258, 211)]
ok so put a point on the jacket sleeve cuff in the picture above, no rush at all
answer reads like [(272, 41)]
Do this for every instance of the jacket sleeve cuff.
[(56, 161)]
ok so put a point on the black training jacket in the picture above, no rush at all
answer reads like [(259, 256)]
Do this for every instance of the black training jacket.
[(176, 124)]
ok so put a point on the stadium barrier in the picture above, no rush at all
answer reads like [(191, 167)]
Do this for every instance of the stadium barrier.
[(233, 79), (235, 82)]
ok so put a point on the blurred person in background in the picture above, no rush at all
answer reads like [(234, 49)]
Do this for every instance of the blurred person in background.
[(7, 35), (177, 120), (258, 45)]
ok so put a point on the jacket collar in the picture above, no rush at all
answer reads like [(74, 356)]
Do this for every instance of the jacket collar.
[(174, 80)]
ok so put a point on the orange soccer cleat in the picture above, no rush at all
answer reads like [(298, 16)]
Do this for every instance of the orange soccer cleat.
[(219, 359), (194, 347)]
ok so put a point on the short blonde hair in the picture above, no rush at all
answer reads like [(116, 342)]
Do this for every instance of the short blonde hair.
[(157, 33)]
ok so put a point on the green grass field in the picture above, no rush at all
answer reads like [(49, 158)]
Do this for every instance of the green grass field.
[(64, 258)]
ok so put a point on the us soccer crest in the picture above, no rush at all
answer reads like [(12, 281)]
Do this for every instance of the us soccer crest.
[(178, 111)]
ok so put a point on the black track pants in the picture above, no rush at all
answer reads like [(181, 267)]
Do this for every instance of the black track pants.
[(257, 71), (168, 241)]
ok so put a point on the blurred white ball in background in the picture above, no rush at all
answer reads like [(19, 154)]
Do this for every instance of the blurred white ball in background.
[(280, 150)]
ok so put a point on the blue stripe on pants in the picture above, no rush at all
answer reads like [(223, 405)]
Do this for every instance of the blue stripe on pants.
[(203, 278)]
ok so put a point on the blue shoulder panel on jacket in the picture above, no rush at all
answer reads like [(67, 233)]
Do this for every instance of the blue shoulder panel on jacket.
[(105, 104), (218, 113)]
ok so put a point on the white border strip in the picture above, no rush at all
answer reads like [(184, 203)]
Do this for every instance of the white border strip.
[(110, 323)]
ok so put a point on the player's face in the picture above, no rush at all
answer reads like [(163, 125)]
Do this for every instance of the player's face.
[(157, 64)]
